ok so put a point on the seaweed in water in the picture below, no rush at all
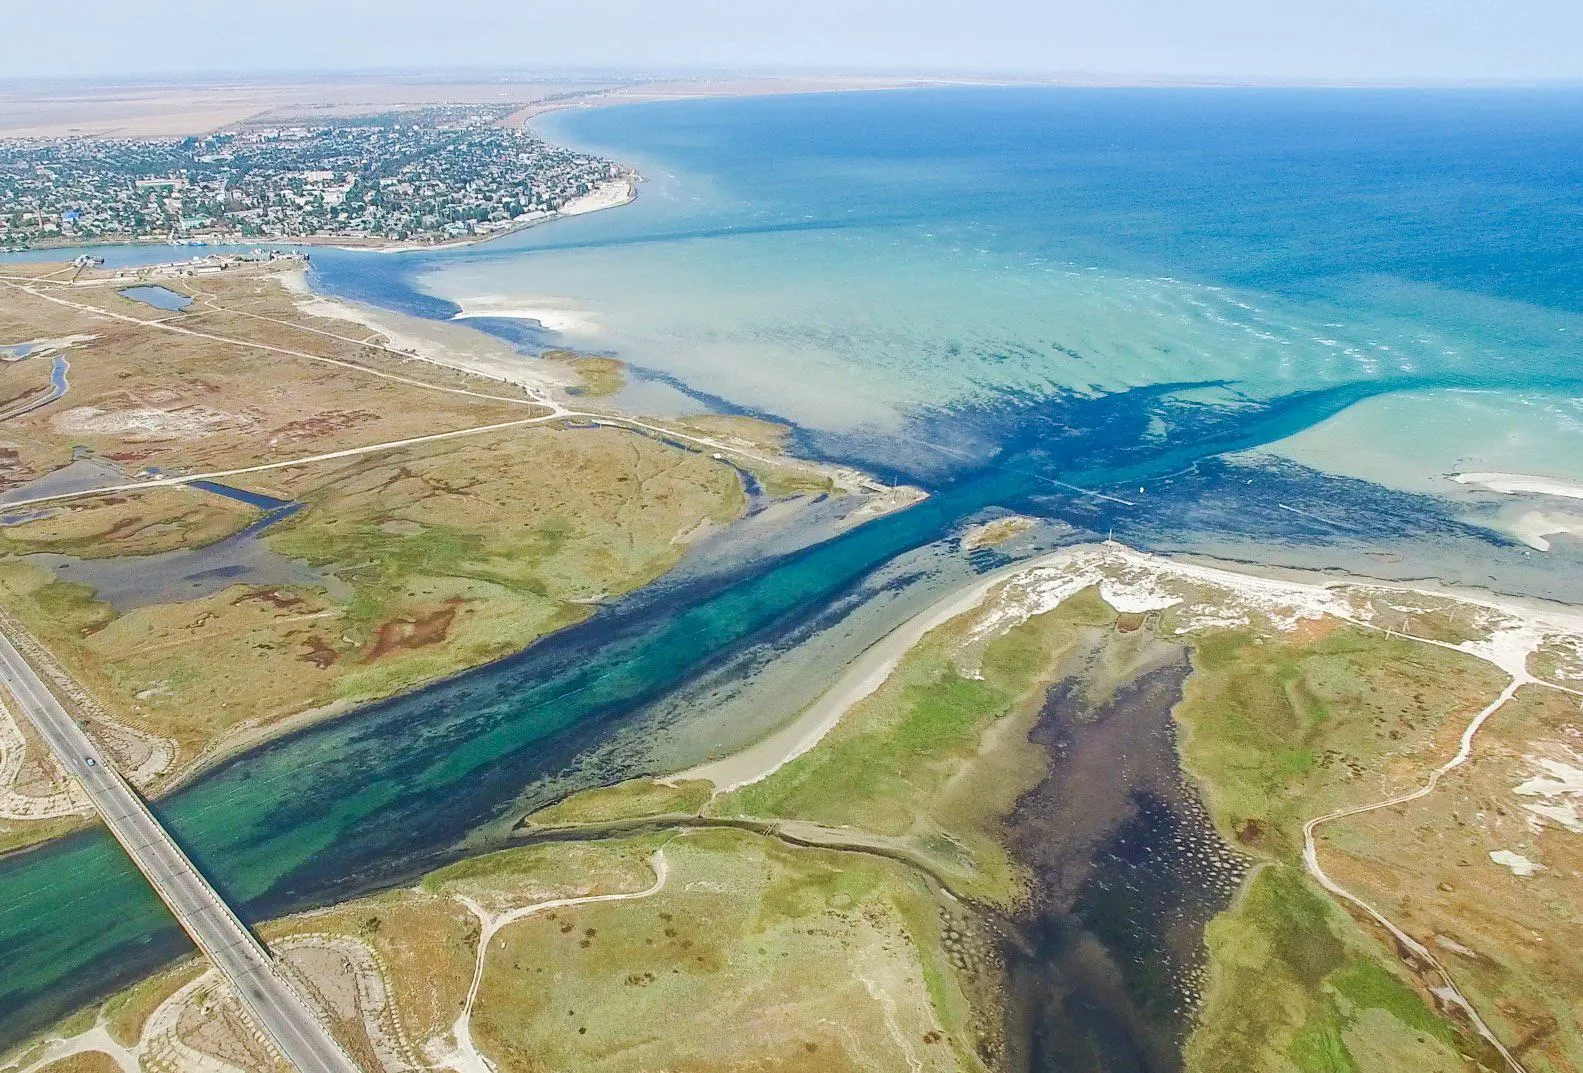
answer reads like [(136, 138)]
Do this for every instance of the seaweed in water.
[(1104, 969)]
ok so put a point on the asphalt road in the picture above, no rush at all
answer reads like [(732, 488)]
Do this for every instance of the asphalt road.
[(272, 1002)]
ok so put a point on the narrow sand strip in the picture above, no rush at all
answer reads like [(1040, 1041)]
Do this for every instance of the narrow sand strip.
[(1510, 483), (865, 675)]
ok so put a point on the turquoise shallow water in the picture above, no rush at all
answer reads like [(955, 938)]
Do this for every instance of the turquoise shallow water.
[(852, 261), (1019, 298)]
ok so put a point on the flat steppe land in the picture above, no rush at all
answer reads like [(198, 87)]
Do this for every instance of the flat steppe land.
[(152, 109), (836, 908), (193, 108), (399, 565)]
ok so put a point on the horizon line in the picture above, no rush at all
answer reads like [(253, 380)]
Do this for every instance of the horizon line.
[(900, 77)]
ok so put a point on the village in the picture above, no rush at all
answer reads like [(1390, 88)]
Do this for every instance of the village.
[(421, 176)]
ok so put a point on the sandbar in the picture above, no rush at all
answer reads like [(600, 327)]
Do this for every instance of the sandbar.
[(865, 675), (454, 346), (1510, 483)]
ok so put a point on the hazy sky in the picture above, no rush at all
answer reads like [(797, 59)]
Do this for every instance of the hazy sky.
[(1390, 40)]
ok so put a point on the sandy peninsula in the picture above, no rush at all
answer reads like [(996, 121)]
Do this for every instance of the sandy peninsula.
[(454, 346), (1132, 582)]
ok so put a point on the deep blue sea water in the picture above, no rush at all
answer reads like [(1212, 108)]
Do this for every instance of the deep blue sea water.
[(1207, 307)]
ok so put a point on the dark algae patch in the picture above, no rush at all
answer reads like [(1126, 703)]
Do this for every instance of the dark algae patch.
[(1105, 962)]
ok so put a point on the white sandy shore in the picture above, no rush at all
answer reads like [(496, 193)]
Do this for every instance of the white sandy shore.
[(547, 312), (1129, 581), (1511, 483), (608, 195), (866, 674), (454, 346), (465, 349)]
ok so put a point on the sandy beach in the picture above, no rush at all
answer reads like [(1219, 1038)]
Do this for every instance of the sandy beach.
[(1534, 526), (609, 195), (454, 346), (865, 675)]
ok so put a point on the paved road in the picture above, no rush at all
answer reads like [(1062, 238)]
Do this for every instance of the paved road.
[(273, 1003)]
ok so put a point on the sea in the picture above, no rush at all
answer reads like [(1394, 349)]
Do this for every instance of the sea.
[(1266, 325)]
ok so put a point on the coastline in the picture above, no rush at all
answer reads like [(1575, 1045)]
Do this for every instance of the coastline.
[(863, 676), (1514, 483), (602, 197), (445, 343), (595, 200), (1309, 593), (455, 345)]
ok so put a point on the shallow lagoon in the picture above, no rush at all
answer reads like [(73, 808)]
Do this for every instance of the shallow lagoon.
[(855, 259)]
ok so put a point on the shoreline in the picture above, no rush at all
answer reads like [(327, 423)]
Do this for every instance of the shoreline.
[(455, 346), (869, 671), (524, 118), (862, 677), (1504, 483), (349, 243), (449, 344)]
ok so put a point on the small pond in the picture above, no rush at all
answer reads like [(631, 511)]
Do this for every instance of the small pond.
[(82, 475), (158, 297)]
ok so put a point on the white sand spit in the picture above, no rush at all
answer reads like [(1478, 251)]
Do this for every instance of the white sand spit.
[(1511, 483), (866, 674), (1132, 581), (454, 346), (1532, 527), (550, 317)]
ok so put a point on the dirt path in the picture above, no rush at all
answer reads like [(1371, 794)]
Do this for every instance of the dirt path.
[(1510, 653), (467, 1058), (163, 1044), (165, 326), (67, 798), (1448, 991), (305, 460), (1509, 647)]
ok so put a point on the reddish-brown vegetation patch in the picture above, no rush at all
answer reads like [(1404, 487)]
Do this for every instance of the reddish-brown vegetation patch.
[(412, 633), (129, 456), (13, 471), (319, 653), (273, 597), (322, 424)]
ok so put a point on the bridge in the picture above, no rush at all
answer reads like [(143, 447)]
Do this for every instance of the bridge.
[(228, 943)]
